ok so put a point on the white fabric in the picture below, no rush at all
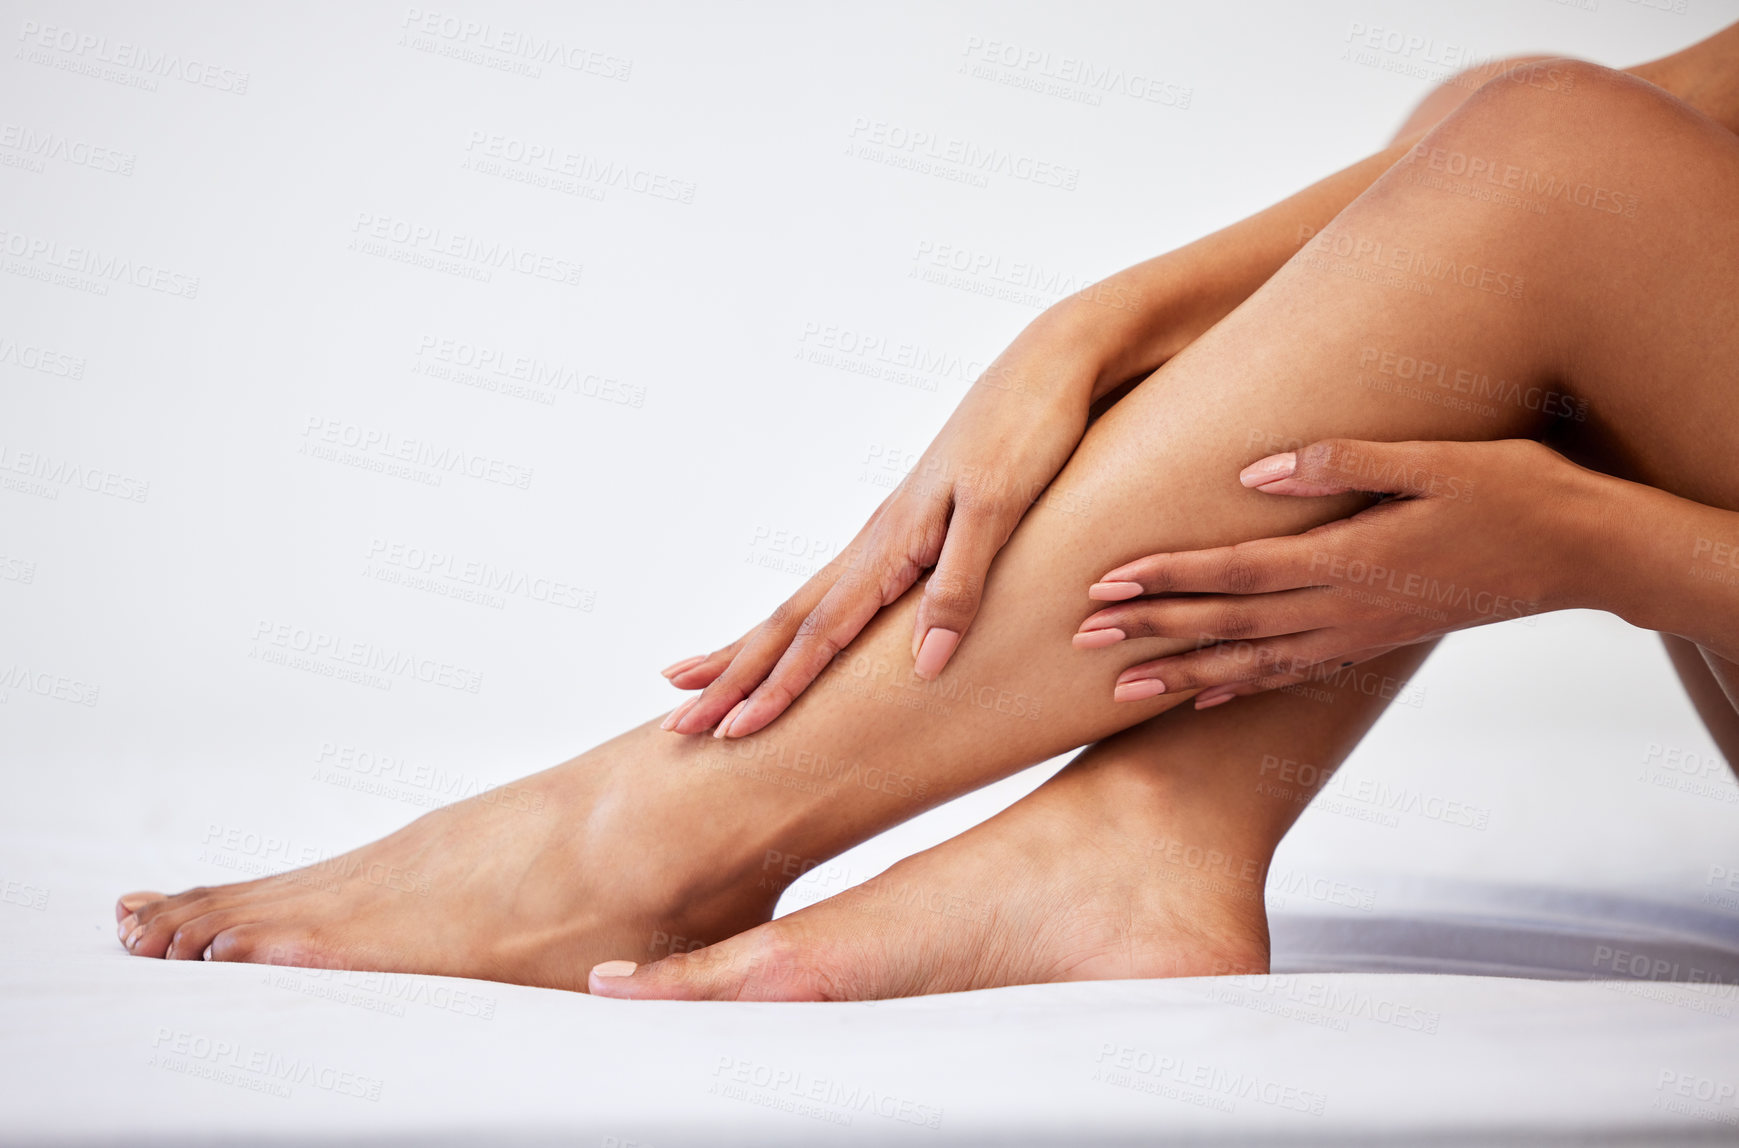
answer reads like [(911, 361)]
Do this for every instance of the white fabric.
[(766, 286)]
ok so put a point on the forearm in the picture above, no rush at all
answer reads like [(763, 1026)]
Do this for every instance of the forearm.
[(1664, 563)]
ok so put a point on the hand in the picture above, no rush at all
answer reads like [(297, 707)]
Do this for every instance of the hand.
[(953, 512), (1435, 558)]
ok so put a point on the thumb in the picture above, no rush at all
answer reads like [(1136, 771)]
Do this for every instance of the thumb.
[(1338, 465)]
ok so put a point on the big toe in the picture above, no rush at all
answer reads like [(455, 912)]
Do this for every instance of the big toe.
[(126, 906), (755, 966)]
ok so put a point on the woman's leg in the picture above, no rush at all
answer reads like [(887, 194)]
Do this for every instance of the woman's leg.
[(1429, 309)]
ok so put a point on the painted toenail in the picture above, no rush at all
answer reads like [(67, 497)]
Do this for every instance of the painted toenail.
[(614, 969), (133, 937), (206, 956), (127, 925)]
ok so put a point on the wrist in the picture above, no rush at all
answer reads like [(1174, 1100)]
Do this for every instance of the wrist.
[(1626, 550)]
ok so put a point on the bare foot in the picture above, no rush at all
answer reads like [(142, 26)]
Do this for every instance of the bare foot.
[(618, 851), (1089, 878)]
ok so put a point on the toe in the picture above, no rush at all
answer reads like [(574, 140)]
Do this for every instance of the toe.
[(126, 906), (237, 943), (147, 931), (193, 936), (759, 965)]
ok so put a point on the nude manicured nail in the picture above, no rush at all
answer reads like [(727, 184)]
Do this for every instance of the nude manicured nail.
[(614, 969), (934, 652), (1211, 698), (1270, 469), (1138, 690), (675, 668), (676, 714), (724, 727), (1098, 639), (1113, 591)]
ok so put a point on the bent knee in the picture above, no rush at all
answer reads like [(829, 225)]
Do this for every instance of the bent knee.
[(1559, 101)]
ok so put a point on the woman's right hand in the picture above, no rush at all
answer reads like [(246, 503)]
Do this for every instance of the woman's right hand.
[(951, 514)]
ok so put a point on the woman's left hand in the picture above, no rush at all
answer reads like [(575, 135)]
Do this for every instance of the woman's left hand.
[(1477, 532)]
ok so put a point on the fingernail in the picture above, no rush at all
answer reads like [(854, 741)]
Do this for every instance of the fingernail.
[(614, 969), (1266, 470), (1138, 690), (675, 668), (675, 715), (934, 652), (1211, 698), (724, 727), (1113, 591), (1098, 639)]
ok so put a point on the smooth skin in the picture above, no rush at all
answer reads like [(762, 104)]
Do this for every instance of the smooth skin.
[(653, 837), (1633, 315)]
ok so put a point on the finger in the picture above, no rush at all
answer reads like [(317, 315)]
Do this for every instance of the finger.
[(754, 655), (1213, 617), (1261, 566), (1290, 657), (746, 671), (700, 672), (1338, 465), (955, 588), (1323, 671), (675, 668), (841, 616)]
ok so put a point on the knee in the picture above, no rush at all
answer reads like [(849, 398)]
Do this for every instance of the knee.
[(1555, 103)]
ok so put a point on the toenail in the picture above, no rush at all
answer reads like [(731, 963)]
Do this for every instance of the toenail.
[(127, 925), (133, 937), (206, 956), (614, 969)]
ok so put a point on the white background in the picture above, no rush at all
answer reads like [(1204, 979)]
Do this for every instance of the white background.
[(739, 462)]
